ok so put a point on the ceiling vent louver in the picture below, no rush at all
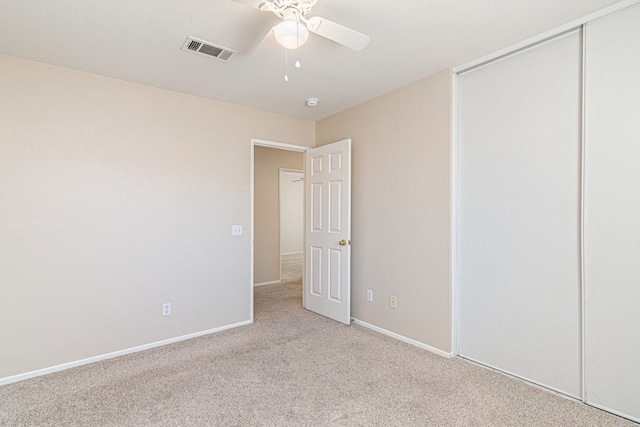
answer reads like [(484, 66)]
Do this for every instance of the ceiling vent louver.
[(202, 47)]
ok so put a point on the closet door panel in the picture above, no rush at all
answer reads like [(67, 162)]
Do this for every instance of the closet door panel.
[(612, 213), (519, 221)]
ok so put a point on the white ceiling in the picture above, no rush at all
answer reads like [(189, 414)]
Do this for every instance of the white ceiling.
[(140, 41)]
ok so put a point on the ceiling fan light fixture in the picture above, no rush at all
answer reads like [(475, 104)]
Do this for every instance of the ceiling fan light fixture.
[(291, 34)]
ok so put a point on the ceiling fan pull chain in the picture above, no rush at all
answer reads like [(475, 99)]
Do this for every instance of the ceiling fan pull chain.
[(286, 65)]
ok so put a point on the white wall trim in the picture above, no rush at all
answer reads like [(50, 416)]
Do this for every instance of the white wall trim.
[(454, 203), (273, 282), (546, 35), (69, 365), (282, 145), (583, 180), (252, 244), (403, 339)]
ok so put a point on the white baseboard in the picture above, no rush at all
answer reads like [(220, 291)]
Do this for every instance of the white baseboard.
[(273, 282), (69, 365), (403, 339)]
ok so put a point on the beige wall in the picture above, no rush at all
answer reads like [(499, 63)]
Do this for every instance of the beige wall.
[(116, 198), (268, 162), (401, 208), (291, 212)]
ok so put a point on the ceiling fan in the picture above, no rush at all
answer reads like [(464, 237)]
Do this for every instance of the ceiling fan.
[(294, 29)]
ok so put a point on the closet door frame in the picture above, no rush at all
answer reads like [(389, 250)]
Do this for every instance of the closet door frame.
[(455, 160), (520, 174)]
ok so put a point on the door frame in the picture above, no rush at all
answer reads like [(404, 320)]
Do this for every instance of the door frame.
[(270, 144), (455, 160)]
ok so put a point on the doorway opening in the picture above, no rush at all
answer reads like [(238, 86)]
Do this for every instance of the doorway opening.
[(276, 250), (291, 204)]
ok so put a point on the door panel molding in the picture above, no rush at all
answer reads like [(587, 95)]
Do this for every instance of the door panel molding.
[(328, 229)]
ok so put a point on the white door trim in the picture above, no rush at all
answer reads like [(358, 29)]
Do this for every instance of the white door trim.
[(272, 144), (454, 203)]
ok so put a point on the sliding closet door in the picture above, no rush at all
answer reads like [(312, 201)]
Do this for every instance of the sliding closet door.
[(519, 214), (612, 214)]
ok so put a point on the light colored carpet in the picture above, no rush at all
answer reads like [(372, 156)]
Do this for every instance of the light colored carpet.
[(292, 268), (290, 368)]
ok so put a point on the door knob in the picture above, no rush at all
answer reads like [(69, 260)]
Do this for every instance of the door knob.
[(342, 242)]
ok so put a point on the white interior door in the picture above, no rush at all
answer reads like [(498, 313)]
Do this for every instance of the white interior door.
[(519, 221), (327, 275)]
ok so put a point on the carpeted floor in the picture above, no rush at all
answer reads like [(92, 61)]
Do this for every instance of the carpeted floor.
[(290, 368), (292, 268)]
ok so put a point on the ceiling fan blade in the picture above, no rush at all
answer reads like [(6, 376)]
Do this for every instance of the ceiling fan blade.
[(338, 33), (260, 41), (259, 29)]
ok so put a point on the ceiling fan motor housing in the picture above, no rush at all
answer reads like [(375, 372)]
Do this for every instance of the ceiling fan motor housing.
[(284, 8), (294, 11)]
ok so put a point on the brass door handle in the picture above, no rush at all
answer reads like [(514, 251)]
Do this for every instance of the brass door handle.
[(342, 242)]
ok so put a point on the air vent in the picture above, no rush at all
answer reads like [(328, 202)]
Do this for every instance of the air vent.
[(208, 49)]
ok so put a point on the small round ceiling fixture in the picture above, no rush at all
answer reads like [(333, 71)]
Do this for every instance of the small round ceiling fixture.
[(312, 102)]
